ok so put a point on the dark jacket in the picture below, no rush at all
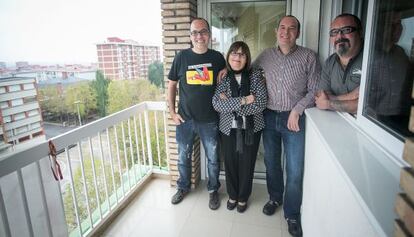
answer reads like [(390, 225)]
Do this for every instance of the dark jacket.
[(226, 107)]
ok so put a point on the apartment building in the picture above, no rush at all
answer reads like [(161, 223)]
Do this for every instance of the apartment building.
[(20, 114), (125, 59)]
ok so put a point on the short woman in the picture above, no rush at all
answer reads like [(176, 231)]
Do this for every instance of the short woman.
[(240, 99)]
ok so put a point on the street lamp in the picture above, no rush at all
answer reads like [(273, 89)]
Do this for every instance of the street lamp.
[(77, 105)]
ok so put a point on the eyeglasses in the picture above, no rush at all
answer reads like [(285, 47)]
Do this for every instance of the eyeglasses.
[(344, 30), (202, 32), (235, 54)]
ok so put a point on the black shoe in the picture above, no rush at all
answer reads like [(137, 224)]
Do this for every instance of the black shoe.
[(270, 207), (231, 205), (241, 208), (294, 227), (214, 202), (178, 196)]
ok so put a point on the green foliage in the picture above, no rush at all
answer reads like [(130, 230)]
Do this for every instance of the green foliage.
[(161, 140), (51, 100), (100, 85), (126, 93), (132, 141), (83, 93), (80, 194), (136, 141), (156, 74), (60, 101)]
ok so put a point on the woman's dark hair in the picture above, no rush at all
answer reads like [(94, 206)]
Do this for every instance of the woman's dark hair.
[(234, 47)]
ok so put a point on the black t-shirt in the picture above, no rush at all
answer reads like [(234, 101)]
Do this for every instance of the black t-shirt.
[(197, 76)]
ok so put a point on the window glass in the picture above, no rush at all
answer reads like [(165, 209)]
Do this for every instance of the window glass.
[(251, 22), (19, 116), (28, 86), (33, 112), (390, 67), (14, 88), (7, 119), (4, 105), (35, 125), (20, 130), (17, 102)]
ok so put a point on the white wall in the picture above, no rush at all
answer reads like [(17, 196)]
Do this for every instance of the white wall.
[(350, 184)]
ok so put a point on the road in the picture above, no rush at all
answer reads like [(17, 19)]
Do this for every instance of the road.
[(52, 130)]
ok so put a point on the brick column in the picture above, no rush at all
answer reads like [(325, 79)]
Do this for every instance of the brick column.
[(176, 18)]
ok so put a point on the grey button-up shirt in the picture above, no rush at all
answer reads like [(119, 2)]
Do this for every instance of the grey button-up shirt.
[(291, 79), (338, 80)]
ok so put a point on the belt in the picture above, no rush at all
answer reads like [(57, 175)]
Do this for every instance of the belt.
[(279, 111)]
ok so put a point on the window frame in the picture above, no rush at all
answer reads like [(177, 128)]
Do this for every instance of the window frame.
[(386, 141)]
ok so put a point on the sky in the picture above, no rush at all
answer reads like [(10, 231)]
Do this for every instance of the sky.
[(66, 31)]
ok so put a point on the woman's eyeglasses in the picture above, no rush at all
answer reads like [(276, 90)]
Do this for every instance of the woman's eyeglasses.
[(235, 54)]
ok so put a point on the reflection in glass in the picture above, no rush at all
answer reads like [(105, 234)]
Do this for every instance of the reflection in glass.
[(251, 22), (390, 71)]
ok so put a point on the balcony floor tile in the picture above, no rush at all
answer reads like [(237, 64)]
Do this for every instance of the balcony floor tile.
[(152, 214)]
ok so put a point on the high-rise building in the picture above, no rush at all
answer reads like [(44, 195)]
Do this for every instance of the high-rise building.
[(126, 59), (20, 115)]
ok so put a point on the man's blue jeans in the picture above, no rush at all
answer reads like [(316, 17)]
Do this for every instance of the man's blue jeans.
[(208, 133), (274, 133)]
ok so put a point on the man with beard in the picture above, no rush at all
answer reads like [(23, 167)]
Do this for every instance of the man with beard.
[(341, 74)]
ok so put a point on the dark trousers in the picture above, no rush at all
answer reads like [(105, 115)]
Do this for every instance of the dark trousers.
[(275, 134), (239, 167)]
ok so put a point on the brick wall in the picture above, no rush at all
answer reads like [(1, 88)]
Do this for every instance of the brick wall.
[(176, 18), (404, 225)]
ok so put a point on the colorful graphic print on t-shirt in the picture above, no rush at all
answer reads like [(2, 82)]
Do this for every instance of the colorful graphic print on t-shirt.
[(199, 74)]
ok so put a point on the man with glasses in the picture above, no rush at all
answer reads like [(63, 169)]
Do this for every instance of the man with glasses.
[(292, 73), (195, 70), (341, 74)]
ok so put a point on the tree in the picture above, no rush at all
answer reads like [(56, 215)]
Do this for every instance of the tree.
[(47, 99), (156, 74), (80, 92), (125, 93), (50, 98), (80, 194), (100, 85)]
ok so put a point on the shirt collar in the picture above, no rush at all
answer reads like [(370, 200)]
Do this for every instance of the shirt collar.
[(292, 50)]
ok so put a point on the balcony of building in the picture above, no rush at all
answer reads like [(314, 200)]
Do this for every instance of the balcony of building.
[(121, 160), (103, 164)]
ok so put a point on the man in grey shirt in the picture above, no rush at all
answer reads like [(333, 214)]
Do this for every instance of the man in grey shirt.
[(292, 74), (341, 74)]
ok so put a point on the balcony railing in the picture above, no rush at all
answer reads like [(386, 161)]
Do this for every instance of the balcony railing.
[(102, 162)]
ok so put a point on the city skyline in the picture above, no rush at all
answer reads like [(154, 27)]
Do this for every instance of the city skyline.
[(58, 31)]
